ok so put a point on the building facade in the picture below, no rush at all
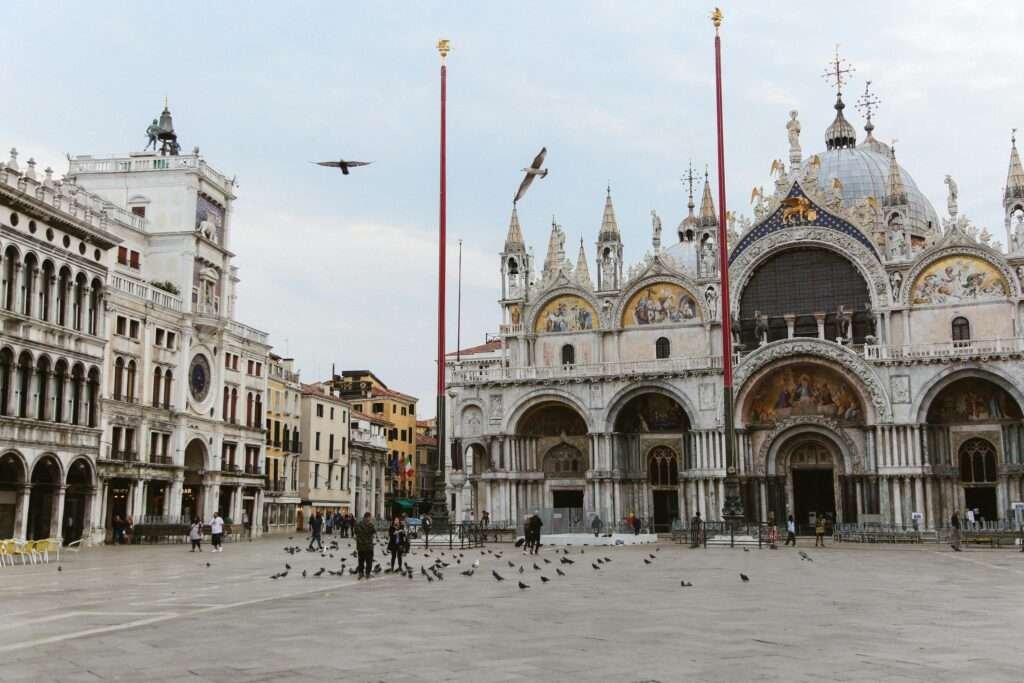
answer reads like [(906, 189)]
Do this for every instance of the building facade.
[(184, 382), (284, 447), (324, 484), (369, 395), (878, 373), (369, 463), (56, 243)]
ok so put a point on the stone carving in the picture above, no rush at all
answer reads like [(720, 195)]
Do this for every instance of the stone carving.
[(952, 196), (761, 327), (798, 210), (899, 386), (711, 296), (844, 319), (1016, 232), (735, 329), (472, 421), (708, 258), (496, 407), (895, 279), (956, 279), (788, 349), (655, 231)]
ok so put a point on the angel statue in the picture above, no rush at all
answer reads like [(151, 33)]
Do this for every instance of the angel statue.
[(655, 231), (793, 131), (757, 199)]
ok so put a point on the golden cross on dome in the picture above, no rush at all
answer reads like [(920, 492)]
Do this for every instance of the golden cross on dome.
[(838, 72), (688, 179)]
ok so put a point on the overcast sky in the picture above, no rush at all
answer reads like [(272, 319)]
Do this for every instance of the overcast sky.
[(343, 269)]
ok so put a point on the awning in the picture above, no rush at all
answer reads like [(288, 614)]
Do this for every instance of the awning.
[(404, 503)]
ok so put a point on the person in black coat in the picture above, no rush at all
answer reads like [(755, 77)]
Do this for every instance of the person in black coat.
[(396, 542), (533, 533)]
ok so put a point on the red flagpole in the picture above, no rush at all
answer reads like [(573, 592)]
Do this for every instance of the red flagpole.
[(732, 509), (439, 505)]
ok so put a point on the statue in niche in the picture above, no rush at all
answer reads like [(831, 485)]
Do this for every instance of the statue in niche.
[(895, 279), (793, 133), (952, 196), (734, 329), (761, 327), (844, 320)]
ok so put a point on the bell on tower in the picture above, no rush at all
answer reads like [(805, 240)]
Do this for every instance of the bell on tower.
[(514, 262), (162, 131), (609, 249)]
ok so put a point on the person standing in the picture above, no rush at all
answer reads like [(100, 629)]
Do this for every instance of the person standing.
[(195, 535), (217, 532), (364, 533), (819, 531), (534, 526), (329, 523), (595, 525), (636, 524), (396, 542), (970, 518), (954, 535), (316, 525), (426, 525), (246, 524), (791, 531)]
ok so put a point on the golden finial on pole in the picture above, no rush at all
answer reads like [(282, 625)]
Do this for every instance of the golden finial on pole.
[(444, 46), (716, 19)]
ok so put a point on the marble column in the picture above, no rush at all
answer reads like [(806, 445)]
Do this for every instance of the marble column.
[(57, 514), (884, 505), (897, 501), (919, 502), (790, 319), (21, 512), (820, 319)]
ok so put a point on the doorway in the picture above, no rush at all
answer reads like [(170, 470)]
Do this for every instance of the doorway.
[(567, 499), (666, 509), (813, 495), (982, 498)]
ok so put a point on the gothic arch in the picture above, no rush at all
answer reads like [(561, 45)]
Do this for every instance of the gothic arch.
[(786, 431), (863, 379), (930, 256), (48, 459), (624, 396), (81, 461), (866, 262), (933, 387), (20, 460), (546, 395)]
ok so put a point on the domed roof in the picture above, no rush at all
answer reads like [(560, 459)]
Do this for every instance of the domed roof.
[(864, 172)]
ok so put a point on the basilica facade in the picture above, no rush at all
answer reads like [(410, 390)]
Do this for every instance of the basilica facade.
[(878, 373)]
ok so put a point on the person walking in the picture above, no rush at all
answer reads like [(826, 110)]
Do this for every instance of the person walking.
[(954, 534), (329, 524), (217, 532), (534, 526), (396, 543), (426, 525), (595, 525), (316, 525), (791, 531), (819, 531), (364, 533), (195, 535)]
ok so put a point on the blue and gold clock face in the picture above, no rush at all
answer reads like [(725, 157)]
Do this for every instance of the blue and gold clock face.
[(199, 377)]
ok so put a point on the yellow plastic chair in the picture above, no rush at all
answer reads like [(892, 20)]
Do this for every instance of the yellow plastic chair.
[(16, 548), (41, 550), (5, 554)]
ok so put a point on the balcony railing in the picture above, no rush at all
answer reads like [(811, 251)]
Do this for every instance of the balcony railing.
[(481, 375), (229, 467), (250, 333), (145, 292), (123, 456), (160, 459), (970, 348)]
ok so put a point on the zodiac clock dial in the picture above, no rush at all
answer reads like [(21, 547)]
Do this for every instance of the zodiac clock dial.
[(199, 377)]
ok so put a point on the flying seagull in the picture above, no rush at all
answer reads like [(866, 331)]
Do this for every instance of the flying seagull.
[(532, 172), (342, 164)]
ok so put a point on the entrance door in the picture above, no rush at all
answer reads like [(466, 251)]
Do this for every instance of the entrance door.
[(74, 517), (813, 493), (568, 513), (984, 499), (666, 510)]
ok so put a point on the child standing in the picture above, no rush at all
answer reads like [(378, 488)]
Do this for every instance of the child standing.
[(195, 534)]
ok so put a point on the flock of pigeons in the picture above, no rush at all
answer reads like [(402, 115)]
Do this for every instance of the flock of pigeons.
[(435, 562)]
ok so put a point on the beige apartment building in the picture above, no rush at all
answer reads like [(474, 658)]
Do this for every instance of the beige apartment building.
[(284, 447), (324, 484)]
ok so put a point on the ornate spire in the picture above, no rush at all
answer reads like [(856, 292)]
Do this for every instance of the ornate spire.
[(609, 226), (1015, 175), (582, 271), (514, 238), (867, 105), (707, 218), (556, 250), (895, 193), (840, 134), (688, 224)]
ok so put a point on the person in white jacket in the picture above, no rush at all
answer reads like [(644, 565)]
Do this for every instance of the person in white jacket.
[(216, 532)]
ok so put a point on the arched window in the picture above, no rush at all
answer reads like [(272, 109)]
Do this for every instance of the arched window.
[(118, 378), (234, 406), (977, 462), (564, 461), (662, 467), (568, 355), (248, 409), (167, 388), (226, 408), (961, 329), (662, 348), (130, 381), (513, 267)]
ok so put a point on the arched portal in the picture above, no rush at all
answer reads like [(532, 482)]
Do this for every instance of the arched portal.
[(77, 500), (974, 426), (12, 481), (46, 481), (192, 490), (813, 470), (663, 478)]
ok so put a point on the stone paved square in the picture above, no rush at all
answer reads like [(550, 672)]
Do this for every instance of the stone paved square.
[(854, 613)]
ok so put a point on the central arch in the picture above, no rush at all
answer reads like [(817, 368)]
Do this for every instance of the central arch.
[(811, 478), (42, 512)]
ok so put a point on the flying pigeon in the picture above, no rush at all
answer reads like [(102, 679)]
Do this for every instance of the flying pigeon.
[(342, 164), (744, 577), (532, 172), (497, 576)]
